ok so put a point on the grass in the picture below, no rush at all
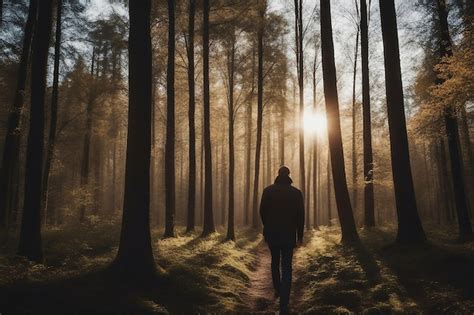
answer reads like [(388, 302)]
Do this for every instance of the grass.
[(74, 277), (211, 275)]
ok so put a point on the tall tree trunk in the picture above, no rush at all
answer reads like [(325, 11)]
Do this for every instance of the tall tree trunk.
[(354, 114), (248, 149), (231, 71), (208, 226), (85, 164), (135, 256), (300, 68), (344, 209), (315, 147), (170, 189), (261, 28), (410, 229), (191, 116), (11, 148), (452, 131), (30, 234), (369, 215)]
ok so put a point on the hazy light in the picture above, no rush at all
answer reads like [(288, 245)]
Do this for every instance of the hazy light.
[(314, 123)]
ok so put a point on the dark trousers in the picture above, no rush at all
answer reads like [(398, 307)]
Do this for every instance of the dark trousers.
[(282, 283)]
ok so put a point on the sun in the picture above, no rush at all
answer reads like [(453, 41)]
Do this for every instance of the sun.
[(314, 123)]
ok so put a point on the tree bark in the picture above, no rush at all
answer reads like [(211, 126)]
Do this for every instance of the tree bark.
[(134, 259), (261, 28), (410, 229), (30, 235), (344, 209), (231, 71), (208, 226), (11, 148), (170, 181), (452, 132), (191, 116), (369, 215), (354, 114)]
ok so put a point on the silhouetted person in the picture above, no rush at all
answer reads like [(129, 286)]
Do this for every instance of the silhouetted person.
[(282, 213)]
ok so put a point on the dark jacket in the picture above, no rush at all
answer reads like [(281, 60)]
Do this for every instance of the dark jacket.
[(282, 213)]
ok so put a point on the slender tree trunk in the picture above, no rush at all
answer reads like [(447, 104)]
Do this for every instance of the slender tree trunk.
[(315, 147), (85, 164), (344, 209), (191, 116), (410, 229), (300, 67), (452, 131), (231, 71), (11, 148), (30, 235), (134, 259), (260, 33), (208, 226), (369, 215), (354, 114), (248, 151), (170, 189)]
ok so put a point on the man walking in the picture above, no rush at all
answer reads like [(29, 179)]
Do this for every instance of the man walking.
[(282, 213)]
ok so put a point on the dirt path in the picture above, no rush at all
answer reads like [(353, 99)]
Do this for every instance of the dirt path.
[(260, 293)]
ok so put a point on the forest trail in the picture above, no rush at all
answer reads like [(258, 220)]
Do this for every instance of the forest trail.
[(260, 292)]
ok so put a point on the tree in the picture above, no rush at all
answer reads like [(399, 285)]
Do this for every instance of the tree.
[(369, 216), (354, 110), (410, 229), (54, 111), (452, 132), (208, 226), (170, 189), (134, 259), (11, 151), (300, 72), (191, 117), (30, 235), (344, 209), (262, 7)]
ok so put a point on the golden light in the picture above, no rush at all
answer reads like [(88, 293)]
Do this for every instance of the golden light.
[(314, 123)]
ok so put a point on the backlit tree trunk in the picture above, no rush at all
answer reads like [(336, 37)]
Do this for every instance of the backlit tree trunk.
[(369, 216), (170, 189), (344, 209), (208, 226), (134, 259), (410, 229), (30, 235)]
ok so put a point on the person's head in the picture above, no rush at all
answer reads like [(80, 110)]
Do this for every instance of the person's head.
[(283, 177), (283, 171)]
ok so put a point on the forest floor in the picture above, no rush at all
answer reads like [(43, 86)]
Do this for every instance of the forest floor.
[(211, 275)]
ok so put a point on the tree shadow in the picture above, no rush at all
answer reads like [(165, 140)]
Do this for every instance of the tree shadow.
[(366, 261)]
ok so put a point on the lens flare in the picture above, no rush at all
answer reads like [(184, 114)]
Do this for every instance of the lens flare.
[(314, 123)]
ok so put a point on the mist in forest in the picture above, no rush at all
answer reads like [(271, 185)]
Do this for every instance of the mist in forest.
[(138, 140)]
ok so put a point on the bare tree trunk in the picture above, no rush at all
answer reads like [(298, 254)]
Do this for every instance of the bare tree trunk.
[(344, 209), (248, 151), (30, 245), (231, 71), (191, 113), (410, 229), (354, 116), (300, 68), (170, 175), (85, 164), (261, 28), (369, 215), (208, 226), (11, 148), (329, 187), (134, 259)]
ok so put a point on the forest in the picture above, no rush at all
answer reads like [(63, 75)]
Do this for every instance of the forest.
[(137, 138)]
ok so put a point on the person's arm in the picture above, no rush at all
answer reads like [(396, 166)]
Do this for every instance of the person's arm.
[(300, 217), (263, 207)]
